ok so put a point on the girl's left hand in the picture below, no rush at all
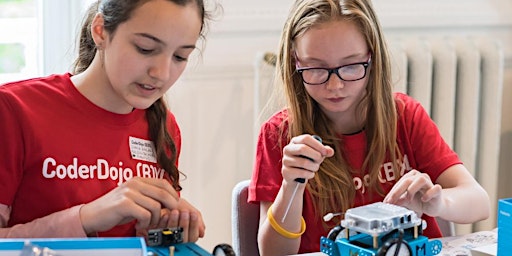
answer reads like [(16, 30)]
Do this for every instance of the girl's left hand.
[(190, 219), (416, 191), (186, 216)]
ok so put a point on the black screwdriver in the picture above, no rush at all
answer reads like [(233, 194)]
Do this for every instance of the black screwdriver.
[(299, 181)]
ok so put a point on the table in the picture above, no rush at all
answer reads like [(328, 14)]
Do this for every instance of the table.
[(464, 244)]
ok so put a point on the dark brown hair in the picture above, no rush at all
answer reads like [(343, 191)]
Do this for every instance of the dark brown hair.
[(114, 13)]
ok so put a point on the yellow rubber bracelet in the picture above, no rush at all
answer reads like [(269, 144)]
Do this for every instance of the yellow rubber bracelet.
[(283, 231)]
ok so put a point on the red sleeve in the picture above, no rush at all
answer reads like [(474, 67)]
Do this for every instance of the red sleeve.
[(420, 139), (11, 146), (266, 177)]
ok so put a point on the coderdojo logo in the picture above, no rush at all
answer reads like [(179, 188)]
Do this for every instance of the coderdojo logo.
[(386, 174), (101, 170)]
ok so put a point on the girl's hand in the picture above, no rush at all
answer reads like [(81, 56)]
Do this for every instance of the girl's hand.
[(138, 198), (417, 192), (190, 219), (186, 216), (302, 157)]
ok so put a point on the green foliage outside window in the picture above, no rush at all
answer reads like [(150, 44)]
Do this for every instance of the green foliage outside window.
[(17, 8), (12, 58)]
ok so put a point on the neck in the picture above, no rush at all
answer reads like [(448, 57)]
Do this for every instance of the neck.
[(96, 87)]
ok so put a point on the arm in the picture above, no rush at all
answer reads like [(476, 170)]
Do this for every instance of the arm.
[(271, 242), (456, 196), (301, 159), (139, 198), (461, 194), (65, 223)]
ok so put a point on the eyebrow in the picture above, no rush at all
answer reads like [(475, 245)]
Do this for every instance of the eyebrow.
[(156, 39), (344, 58)]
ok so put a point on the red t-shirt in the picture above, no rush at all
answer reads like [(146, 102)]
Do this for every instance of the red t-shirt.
[(59, 150), (419, 140)]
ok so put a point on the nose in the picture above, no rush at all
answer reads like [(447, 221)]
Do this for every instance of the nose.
[(334, 82), (161, 68)]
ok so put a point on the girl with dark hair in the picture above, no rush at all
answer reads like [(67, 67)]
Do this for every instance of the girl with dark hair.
[(95, 152)]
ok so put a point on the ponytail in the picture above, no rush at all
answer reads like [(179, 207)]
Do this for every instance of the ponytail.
[(86, 45), (165, 148)]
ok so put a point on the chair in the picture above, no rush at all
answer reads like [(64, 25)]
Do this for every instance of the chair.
[(447, 227), (245, 221)]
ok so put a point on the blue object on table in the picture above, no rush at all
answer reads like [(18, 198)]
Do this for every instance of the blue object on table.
[(360, 244), (179, 250), (379, 229), (504, 226), (73, 246), (98, 246)]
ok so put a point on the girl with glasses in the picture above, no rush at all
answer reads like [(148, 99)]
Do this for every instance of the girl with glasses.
[(334, 69)]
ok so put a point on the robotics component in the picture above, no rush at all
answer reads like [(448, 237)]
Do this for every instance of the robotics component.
[(379, 229), (187, 249), (223, 250), (169, 242), (165, 236)]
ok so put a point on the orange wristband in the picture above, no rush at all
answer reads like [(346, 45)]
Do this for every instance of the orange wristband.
[(283, 231)]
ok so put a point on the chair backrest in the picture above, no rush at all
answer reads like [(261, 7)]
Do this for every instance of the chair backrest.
[(447, 227), (245, 221)]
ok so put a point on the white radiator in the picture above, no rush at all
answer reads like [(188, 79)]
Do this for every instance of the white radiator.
[(459, 81)]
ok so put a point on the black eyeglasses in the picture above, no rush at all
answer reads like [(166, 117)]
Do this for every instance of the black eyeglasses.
[(350, 72)]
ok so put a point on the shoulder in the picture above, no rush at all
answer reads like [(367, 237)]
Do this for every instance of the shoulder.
[(35, 85), (277, 122), (31, 91), (172, 125), (278, 118), (51, 79), (171, 118), (408, 107), (275, 127), (403, 100)]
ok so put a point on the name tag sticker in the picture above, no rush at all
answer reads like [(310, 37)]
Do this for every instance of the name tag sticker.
[(141, 149)]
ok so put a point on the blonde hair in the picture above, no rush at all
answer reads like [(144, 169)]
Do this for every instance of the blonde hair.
[(333, 185)]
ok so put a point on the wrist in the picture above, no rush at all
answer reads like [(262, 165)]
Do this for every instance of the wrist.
[(88, 230), (280, 230)]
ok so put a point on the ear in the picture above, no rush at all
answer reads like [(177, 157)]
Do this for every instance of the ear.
[(99, 35)]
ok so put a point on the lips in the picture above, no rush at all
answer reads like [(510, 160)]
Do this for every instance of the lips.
[(147, 87), (336, 100)]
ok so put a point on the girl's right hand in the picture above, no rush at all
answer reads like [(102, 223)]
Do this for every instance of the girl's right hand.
[(138, 198), (302, 157)]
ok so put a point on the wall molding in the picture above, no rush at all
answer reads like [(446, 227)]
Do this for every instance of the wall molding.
[(242, 21), (268, 15)]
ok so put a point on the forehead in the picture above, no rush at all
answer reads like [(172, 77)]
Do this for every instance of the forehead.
[(166, 20), (339, 38)]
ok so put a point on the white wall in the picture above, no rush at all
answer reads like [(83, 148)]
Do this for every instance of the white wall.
[(214, 100)]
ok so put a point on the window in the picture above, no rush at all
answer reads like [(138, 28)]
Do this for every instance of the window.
[(37, 37), (18, 39)]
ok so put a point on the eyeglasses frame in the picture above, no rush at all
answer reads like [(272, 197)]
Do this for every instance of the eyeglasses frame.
[(335, 71)]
